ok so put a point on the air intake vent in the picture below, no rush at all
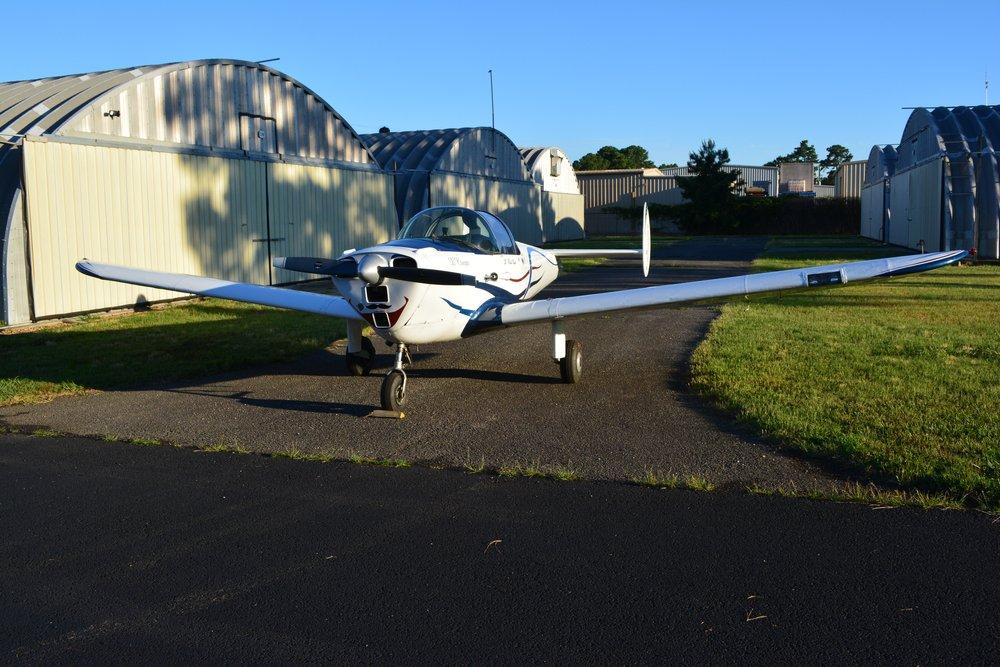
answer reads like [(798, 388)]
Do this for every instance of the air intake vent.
[(404, 261), (381, 320)]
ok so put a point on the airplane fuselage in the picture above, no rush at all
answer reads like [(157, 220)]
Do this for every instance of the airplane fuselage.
[(411, 312)]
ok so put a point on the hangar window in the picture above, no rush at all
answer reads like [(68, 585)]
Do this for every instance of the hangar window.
[(555, 165)]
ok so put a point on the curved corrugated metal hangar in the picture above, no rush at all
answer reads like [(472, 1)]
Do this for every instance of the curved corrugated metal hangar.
[(207, 167)]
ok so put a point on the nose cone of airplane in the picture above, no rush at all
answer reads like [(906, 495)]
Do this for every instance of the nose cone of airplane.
[(368, 268)]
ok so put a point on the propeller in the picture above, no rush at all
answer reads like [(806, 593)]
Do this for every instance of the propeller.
[(427, 276), (339, 268), (348, 268)]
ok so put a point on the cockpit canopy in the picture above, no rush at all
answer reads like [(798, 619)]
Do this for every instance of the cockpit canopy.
[(468, 230)]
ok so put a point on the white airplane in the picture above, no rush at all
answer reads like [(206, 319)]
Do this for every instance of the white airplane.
[(454, 272)]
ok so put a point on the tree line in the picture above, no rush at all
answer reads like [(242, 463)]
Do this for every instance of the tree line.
[(637, 157)]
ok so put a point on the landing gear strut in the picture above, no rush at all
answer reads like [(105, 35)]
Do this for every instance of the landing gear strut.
[(360, 351), (567, 353), (394, 384)]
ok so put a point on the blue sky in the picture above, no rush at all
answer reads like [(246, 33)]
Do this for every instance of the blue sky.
[(756, 77)]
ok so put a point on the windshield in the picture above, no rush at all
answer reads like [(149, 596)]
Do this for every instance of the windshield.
[(459, 226)]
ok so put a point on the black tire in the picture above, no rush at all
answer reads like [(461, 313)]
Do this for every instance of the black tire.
[(362, 361), (571, 366), (393, 397)]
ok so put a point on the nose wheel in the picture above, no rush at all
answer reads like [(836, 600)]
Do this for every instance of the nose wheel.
[(393, 392)]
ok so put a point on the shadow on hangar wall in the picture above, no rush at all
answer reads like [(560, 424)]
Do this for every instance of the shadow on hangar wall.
[(216, 108)]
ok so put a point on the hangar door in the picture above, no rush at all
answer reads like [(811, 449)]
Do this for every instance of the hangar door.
[(156, 210), (516, 203), (321, 212), (562, 216), (873, 210), (916, 207), (169, 211)]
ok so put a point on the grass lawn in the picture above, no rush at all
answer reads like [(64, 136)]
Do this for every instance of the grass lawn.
[(900, 377), (169, 343)]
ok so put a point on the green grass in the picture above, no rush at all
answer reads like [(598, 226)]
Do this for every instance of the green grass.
[(571, 264), (868, 494), (380, 462), (170, 343), (900, 378), (658, 480), (533, 469)]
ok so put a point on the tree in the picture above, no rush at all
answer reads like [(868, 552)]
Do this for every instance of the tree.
[(609, 157), (636, 157), (804, 152), (836, 155), (666, 166), (710, 189)]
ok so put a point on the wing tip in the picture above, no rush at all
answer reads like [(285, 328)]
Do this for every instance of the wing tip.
[(86, 267)]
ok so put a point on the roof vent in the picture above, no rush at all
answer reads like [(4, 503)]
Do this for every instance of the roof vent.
[(383, 130)]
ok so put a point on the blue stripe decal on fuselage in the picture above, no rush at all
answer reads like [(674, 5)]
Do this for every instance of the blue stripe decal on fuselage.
[(464, 311), (531, 251)]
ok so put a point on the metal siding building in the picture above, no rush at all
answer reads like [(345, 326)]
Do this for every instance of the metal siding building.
[(633, 187), (477, 167), (561, 201), (946, 188), (850, 179), (796, 177), (614, 187), (206, 167), (875, 194), (763, 177)]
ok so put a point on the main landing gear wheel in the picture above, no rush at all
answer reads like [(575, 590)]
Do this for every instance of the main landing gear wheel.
[(394, 391), (571, 366), (362, 361)]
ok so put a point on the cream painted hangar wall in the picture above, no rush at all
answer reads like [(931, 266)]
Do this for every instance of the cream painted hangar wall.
[(208, 167)]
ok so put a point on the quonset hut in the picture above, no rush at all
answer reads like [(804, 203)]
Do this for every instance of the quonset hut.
[(875, 192), (475, 167), (207, 167), (946, 188), (561, 202)]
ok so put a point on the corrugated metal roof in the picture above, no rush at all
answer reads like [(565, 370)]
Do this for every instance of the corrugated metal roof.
[(531, 154), (881, 164), (44, 106), (413, 155), (952, 131)]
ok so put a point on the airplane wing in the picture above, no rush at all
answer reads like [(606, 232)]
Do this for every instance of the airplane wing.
[(721, 288), (309, 302)]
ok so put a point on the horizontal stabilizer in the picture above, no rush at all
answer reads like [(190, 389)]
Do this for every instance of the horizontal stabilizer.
[(642, 253)]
